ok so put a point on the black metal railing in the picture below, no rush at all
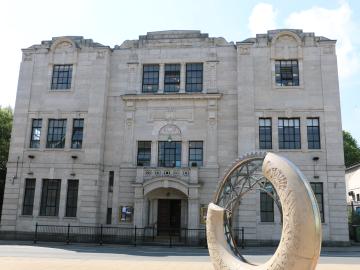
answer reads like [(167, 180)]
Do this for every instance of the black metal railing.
[(105, 234)]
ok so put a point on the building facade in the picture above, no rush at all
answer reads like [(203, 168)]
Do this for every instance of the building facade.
[(352, 180), (139, 134)]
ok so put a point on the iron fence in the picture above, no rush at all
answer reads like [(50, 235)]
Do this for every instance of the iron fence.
[(105, 234)]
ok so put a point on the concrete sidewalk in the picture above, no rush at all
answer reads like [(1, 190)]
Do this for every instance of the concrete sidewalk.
[(16, 256)]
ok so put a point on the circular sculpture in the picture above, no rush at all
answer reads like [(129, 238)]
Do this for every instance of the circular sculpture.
[(300, 243)]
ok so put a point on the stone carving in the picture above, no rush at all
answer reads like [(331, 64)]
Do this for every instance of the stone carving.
[(300, 243), (170, 129)]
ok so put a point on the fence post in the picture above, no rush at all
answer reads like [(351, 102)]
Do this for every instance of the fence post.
[(135, 237), (101, 234), (242, 238), (153, 233), (36, 232), (68, 234), (170, 244)]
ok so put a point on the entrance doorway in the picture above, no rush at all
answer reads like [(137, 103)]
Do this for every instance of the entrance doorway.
[(169, 216)]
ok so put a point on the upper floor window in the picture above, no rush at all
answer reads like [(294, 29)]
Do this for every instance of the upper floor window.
[(194, 77), (289, 133), (318, 190), (170, 154), (150, 78), (313, 133), (111, 181), (50, 197), (35, 133), (196, 153), (265, 134), (61, 77), (287, 72), (144, 153), (77, 133), (56, 133), (172, 78)]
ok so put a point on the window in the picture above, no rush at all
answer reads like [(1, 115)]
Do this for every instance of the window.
[(56, 133), (108, 215), (50, 197), (266, 205), (313, 133), (358, 197), (194, 77), (111, 181), (150, 78), (61, 77), (144, 153), (169, 154), (35, 133), (195, 153), (319, 194), (77, 133), (29, 192), (287, 72), (265, 133), (71, 198), (203, 213), (172, 78), (126, 213), (289, 133)]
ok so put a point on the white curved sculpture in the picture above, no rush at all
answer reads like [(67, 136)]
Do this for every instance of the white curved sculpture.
[(300, 243)]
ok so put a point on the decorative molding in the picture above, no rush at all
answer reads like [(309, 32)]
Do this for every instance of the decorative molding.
[(142, 97)]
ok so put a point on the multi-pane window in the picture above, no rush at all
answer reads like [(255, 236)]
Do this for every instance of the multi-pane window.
[(265, 134), (77, 133), (319, 194), (150, 78), (56, 133), (108, 216), (72, 198), (313, 133), (50, 197), (111, 181), (35, 133), (172, 78), (289, 133), (144, 153), (287, 72), (29, 192), (194, 77), (196, 153), (61, 77), (170, 154), (266, 205)]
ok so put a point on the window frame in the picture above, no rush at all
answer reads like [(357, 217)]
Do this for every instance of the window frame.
[(315, 135), (35, 144), (29, 195), (142, 153), (282, 69), (65, 76), (45, 205), (61, 143), (196, 160), (72, 201), (265, 198), (321, 209), (284, 138), (176, 155), (198, 85), (172, 72), (266, 128), (77, 144), (150, 81)]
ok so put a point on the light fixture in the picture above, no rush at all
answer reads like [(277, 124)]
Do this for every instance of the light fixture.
[(31, 156), (315, 159), (169, 139)]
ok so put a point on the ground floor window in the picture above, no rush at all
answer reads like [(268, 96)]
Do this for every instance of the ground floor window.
[(319, 194), (50, 197), (29, 192), (71, 198), (266, 207)]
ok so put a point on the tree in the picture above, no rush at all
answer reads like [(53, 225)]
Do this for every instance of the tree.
[(6, 118), (351, 150)]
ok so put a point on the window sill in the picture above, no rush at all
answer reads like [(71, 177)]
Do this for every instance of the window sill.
[(47, 217), (161, 96), (26, 216), (298, 87), (70, 218), (60, 90)]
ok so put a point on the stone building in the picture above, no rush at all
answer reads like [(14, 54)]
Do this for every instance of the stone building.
[(140, 134)]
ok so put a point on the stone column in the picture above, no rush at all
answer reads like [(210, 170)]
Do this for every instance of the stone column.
[(212, 137), (182, 77), (154, 154), (139, 207), (185, 154), (193, 208), (161, 78)]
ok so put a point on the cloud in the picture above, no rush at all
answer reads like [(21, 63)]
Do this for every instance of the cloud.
[(335, 24), (262, 18)]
